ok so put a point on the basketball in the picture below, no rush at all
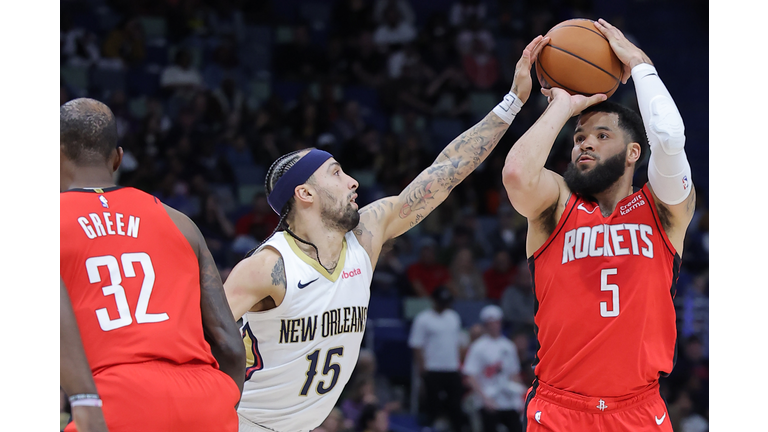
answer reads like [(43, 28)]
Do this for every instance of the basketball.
[(579, 60)]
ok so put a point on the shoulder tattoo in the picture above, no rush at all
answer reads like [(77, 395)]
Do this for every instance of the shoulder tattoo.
[(278, 273)]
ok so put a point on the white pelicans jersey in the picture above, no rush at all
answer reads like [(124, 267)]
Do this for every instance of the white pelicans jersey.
[(301, 354)]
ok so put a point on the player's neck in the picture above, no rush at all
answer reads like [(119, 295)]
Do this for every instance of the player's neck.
[(329, 243), (608, 198), (88, 177)]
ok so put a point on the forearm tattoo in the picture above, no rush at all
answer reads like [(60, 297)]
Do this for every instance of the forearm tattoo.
[(452, 166)]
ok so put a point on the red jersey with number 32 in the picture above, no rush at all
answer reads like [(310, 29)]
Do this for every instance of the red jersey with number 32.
[(604, 291), (133, 279)]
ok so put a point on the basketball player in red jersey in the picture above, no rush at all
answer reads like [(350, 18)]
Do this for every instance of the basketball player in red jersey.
[(155, 325), (604, 257)]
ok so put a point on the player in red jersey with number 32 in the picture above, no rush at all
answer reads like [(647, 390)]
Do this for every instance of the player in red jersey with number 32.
[(156, 329), (604, 257)]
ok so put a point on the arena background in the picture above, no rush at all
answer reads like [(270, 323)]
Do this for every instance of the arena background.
[(208, 93)]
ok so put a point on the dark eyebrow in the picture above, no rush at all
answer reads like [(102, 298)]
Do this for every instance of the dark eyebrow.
[(330, 167), (606, 128)]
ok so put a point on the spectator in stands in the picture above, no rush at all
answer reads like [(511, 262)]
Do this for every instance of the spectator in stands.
[(464, 235), (368, 63), (360, 396), (335, 422), (466, 279), (225, 64), (462, 11), (217, 229), (499, 276), (126, 43), (492, 368), (480, 65), (427, 274), (691, 373), (230, 100), (181, 78), (404, 8), (474, 31), (373, 419), (682, 416), (389, 279), (436, 342), (449, 93), (78, 46), (517, 300), (351, 17), (693, 313), (259, 221), (394, 29), (510, 233), (299, 59)]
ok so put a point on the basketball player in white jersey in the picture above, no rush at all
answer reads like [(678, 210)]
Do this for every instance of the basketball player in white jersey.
[(303, 293)]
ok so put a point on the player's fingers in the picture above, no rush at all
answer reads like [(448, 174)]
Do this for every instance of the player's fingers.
[(539, 46), (596, 98)]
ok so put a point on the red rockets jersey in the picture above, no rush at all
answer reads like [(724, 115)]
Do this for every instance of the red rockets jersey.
[(604, 289), (133, 279)]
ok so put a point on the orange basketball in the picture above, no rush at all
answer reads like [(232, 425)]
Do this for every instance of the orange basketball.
[(579, 60)]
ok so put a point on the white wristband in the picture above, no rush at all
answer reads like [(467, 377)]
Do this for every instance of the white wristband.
[(85, 399), (508, 108), (86, 402)]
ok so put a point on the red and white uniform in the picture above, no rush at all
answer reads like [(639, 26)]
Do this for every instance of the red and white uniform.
[(133, 279), (604, 309)]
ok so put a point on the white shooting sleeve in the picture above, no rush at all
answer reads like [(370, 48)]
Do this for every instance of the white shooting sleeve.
[(669, 172)]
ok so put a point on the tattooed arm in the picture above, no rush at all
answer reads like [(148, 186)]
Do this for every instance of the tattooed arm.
[(390, 217), (219, 328)]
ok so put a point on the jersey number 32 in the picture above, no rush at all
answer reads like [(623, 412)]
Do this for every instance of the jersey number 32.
[(115, 289)]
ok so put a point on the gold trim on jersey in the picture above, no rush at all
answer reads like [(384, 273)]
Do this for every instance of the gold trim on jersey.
[(300, 253)]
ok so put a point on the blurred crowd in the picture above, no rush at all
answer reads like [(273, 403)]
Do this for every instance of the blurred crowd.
[(207, 94)]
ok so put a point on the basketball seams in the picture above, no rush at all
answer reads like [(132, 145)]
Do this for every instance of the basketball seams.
[(581, 27), (582, 59)]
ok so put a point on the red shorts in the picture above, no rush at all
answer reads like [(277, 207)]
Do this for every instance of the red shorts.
[(158, 396), (548, 409)]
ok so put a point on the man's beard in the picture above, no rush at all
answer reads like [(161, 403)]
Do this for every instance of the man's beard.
[(601, 177), (342, 220)]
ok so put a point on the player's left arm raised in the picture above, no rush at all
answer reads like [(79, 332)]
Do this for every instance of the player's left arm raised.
[(390, 217), (669, 173)]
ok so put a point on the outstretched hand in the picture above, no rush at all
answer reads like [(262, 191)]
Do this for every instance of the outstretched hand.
[(577, 103), (625, 50), (521, 85)]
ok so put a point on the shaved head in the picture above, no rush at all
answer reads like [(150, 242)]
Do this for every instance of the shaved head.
[(88, 133)]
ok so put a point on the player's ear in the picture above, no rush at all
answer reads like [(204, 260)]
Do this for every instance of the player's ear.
[(305, 193), (634, 151), (117, 158)]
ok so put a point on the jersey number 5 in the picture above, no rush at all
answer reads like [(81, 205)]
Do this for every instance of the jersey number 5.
[(605, 286), (312, 371), (115, 289)]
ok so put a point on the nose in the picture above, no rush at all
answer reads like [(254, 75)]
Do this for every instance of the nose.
[(587, 144), (353, 184)]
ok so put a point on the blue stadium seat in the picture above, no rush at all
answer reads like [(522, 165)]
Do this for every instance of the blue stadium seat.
[(404, 423), (390, 344), (154, 27), (469, 311), (287, 91), (249, 175), (75, 77), (142, 82), (443, 130), (363, 95), (383, 307), (107, 79), (157, 54)]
